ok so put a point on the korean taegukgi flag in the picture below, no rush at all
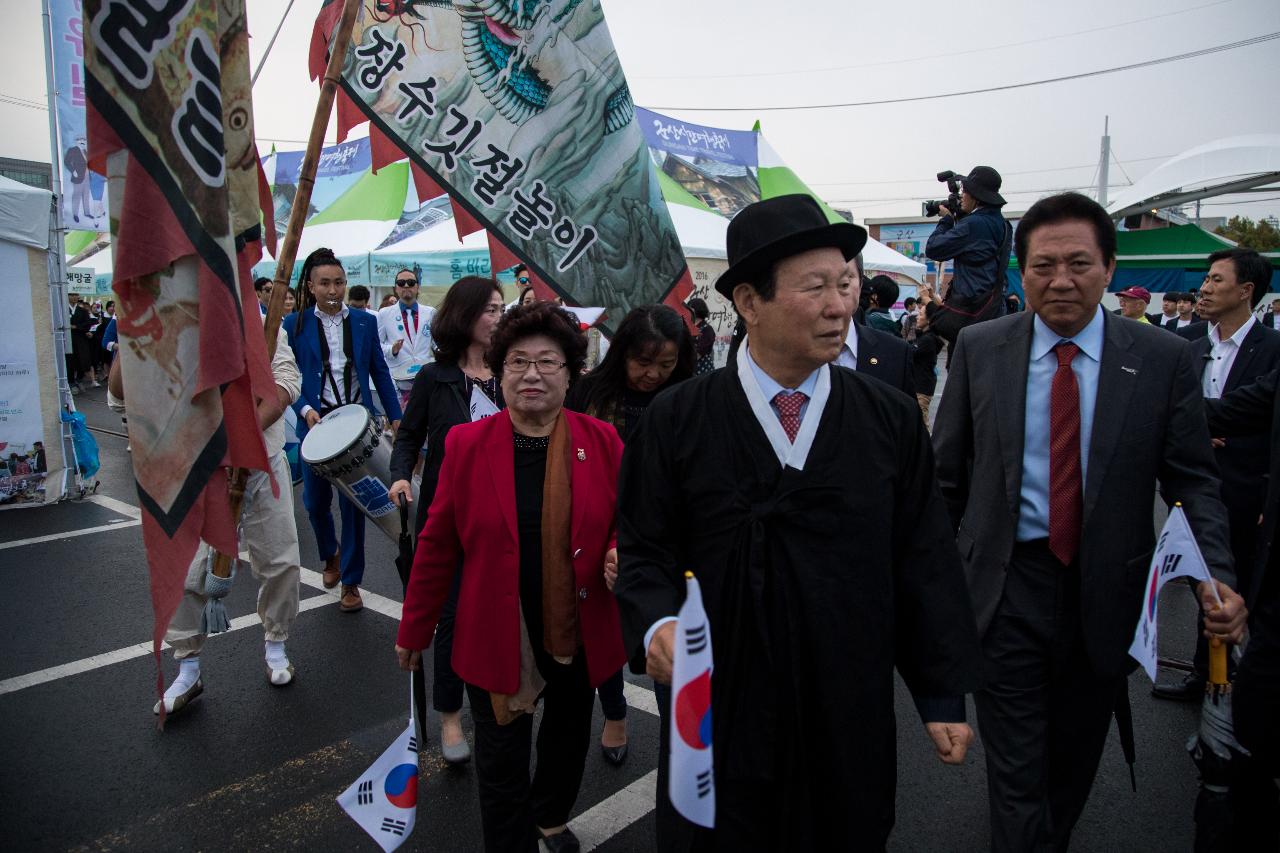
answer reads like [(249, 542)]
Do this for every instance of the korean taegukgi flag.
[(384, 800), (1176, 555), (692, 778)]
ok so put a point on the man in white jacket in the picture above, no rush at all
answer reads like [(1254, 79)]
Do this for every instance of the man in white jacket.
[(404, 329)]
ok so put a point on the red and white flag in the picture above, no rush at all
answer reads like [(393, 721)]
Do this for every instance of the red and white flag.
[(1176, 555), (384, 800), (692, 778)]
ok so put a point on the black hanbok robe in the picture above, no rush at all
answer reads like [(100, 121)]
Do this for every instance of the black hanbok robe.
[(817, 583)]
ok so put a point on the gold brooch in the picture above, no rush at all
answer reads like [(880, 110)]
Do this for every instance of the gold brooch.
[(582, 455)]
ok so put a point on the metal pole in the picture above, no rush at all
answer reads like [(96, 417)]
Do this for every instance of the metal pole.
[(1103, 178), (57, 265), (270, 44)]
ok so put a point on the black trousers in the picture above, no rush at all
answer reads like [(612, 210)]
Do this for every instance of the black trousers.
[(1043, 714), (446, 686), (613, 702), (511, 807)]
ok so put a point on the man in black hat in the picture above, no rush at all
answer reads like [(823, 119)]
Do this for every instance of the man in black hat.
[(979, 240), (824, 562)]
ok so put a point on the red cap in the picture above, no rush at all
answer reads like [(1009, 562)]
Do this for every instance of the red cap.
[(1137, 293)]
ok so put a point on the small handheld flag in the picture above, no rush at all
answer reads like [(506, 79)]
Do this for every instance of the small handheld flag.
[(692, 778), (384, 800), (1176, 555)]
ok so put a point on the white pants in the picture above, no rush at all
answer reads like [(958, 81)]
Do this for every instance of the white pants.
[(271, 538)]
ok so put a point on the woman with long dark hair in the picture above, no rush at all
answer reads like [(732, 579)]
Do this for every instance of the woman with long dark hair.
[(652, 350), (457, 388)]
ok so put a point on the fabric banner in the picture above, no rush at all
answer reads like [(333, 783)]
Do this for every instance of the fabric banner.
[(522, 114), (23, 460), (1177, 555), (83, 205), (710, 168), (170, 114)]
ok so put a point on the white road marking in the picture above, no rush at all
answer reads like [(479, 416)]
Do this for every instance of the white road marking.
[(640, 698), (372, 601), (137, 650), (116, 505), (71, 534), (610, 816)]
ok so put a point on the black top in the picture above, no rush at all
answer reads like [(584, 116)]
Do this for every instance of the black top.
[(924, 361), (439, 401), (531, 473), (624, 415)]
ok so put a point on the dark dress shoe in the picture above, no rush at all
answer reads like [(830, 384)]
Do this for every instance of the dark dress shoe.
[(562, 842), (1189, 689), (615, 755)]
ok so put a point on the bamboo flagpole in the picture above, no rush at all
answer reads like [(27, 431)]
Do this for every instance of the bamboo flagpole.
[(293, 233)]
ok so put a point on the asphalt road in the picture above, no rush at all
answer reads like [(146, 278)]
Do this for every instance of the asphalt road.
[(253, 767)]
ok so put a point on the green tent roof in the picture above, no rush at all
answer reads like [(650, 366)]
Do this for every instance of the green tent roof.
[(1175, 240)]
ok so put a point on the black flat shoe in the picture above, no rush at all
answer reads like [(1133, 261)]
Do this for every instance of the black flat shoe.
[(1189, 689), (562, 842), (615, 755)]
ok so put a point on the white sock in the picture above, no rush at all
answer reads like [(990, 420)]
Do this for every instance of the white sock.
[(188, 674), (275, 654)]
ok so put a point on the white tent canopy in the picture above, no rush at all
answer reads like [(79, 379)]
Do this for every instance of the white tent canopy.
[(1224, 166), (24, 214)]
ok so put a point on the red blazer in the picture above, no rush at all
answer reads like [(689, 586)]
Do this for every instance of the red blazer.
[(473, 515)]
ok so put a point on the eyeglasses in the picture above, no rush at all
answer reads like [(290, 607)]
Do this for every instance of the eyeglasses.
[(545, 366), (406, 282), (524, 279)]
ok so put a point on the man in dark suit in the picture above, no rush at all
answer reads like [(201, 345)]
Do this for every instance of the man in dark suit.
[(341, 363), (877, 354), (1234, 350), (1043, 493), (1248, 411)]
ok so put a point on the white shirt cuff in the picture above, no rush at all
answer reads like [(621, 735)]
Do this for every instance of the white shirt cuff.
[(648, 635), (305, 409)]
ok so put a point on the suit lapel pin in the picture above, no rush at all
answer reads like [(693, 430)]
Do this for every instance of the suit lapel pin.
[(1132, 370), (875, 360), (582, 455)]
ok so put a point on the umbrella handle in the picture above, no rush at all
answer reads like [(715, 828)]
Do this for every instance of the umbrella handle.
[(404, 518), (1217, 661)]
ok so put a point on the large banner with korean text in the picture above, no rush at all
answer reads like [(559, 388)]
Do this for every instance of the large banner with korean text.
[(521, 112)]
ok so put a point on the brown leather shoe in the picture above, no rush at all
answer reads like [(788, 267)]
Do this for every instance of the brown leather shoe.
[(332, 572), (351, 601)]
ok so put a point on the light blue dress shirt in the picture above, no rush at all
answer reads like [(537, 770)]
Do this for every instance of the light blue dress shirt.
[(770, 388), (1033, 515)]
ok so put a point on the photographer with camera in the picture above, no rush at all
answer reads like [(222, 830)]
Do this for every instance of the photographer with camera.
[(976, 236)]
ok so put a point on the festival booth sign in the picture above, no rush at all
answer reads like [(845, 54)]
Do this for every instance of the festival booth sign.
[(36, 465), (525, 119), (171, 122)]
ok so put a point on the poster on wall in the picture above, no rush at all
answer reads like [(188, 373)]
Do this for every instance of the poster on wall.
[(83, 202)]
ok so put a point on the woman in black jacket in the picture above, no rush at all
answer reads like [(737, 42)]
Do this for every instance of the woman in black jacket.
[(651, 351), (457, 388)]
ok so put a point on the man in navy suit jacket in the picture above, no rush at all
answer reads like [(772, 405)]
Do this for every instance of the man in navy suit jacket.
[(338, 354)]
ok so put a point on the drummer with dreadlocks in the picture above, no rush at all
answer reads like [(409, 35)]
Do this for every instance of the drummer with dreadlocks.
[(341, 363)]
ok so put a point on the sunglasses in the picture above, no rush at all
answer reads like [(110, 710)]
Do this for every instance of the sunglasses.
[(524, 279), (406, 282)]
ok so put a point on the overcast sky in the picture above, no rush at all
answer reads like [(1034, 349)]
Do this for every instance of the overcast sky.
[(684, 57)]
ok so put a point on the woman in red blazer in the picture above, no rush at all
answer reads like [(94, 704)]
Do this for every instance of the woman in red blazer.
[(526, 498)]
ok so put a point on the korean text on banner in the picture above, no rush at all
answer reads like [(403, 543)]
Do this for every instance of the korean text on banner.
[(522, 114), (1176, 555), (83, 205)]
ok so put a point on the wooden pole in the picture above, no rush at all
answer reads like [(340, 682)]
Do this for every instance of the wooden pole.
[(293, 233)]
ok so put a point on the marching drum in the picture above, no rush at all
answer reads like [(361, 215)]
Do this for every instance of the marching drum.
[(348, 450)]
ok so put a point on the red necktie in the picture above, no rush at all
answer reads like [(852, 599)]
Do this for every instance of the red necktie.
[(788, 405), (1066, 503)]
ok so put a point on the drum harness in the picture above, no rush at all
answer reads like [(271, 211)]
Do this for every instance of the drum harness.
[(348, 369)]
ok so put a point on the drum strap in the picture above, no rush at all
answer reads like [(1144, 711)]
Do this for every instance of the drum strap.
[(348, 367)]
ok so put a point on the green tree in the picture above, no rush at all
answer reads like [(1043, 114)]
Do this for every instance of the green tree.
[(1259, 236)]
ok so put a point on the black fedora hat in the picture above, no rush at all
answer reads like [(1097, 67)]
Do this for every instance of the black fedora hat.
[(983, 183), (777, 228)]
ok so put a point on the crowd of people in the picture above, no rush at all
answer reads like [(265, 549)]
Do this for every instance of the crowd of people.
[(557, 510)]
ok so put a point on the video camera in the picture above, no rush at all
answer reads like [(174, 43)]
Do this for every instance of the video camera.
[(931, 208)]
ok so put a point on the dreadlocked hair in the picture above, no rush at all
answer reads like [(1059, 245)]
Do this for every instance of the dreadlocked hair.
[(319, 258)]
